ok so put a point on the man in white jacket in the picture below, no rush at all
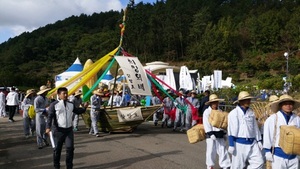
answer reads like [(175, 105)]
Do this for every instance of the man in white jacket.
[(215, 142), (60, 123), (12, 101), (283, 116), (243, 135)]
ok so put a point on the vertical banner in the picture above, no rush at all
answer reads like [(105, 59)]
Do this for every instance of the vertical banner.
[(135, 75), (170, 79), (185, 79), (217, 79)]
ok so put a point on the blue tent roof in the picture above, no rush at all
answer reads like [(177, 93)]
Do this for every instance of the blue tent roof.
[(108, 76), (121, 78), (75, 67)]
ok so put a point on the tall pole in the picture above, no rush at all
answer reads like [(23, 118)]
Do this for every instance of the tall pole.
[(286, 55)]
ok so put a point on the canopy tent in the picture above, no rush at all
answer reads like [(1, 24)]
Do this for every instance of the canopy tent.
[(158, 66), (107, 78), (74, 69)]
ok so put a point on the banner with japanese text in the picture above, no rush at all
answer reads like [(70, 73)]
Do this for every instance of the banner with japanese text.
[(135, 75)]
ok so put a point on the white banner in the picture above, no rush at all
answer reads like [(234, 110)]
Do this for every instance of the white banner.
[(185, 79), (217, 79), (131, 114), (135, 75), (170, 80)]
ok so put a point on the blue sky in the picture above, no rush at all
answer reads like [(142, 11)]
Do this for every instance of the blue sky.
[(18, 16)]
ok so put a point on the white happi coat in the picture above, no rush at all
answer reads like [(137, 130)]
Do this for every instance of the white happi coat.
[(207, 126), (245, 126), (214, 147), (269, 127)]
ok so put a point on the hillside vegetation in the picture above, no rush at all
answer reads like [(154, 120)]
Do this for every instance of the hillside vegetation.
[(245, 39)]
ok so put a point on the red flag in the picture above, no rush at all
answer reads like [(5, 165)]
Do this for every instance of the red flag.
[(194, 113), (171, 113)]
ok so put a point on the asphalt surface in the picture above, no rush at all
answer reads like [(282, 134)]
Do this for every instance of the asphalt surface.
[(148, 147)]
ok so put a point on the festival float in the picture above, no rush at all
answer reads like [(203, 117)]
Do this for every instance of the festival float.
[(114, 119)]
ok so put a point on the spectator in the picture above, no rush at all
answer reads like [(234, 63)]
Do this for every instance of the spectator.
[(203, 101), (12, 99)]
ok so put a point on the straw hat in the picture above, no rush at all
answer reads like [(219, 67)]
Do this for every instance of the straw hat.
[(284, 98), (273, 98), (43, 89), (243, 95), (213, 98), (29, 91), (77, 93), (98, 92)]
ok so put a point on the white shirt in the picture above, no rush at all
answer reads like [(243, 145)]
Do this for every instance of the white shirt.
[(12, 99)]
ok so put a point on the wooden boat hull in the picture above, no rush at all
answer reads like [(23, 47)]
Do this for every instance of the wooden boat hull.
[(108, 119)]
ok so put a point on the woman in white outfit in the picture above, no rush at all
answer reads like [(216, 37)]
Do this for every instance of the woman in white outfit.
[(283, 116), (215, 142)]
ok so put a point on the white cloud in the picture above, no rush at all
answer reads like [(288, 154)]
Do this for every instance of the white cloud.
[(17, 16)]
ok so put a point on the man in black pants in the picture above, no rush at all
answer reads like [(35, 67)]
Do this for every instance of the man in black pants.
[(60, 124), (12, 101)]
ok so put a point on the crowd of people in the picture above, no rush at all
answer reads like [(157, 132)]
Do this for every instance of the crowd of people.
[(249, 146), (243, 143)]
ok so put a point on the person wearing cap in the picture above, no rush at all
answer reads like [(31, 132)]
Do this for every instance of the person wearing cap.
[(180, 111), (28, 123), (12, 101), (189, 121), (40, 103), (168, 105), (77, 103), (216, 137), (244, 136), (60, 124), (284, 116), (96, 102), (156, 101)]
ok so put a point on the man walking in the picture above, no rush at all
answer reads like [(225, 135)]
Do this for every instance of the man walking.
[(12, 99), (40, 104), (215, 141), (77, 103), (284, 115), (60, 124), (189, 122), (96, 102), (180, 111), (243, 135)]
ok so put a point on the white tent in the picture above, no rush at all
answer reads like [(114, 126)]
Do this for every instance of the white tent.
[(158, 66), (75, 68), (107, 78)]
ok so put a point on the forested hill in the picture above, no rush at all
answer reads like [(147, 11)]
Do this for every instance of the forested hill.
[(244, 38)]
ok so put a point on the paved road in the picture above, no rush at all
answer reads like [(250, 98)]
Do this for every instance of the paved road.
[(148, 147)]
